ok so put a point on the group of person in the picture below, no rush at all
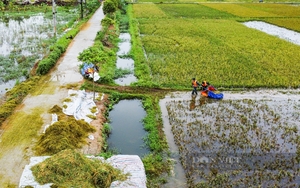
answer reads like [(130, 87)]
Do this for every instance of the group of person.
[(204, 86)]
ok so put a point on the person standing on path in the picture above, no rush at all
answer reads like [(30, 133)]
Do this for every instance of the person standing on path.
[(195, 85)]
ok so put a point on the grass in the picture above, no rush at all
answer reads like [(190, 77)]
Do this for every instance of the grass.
[(193, 11)]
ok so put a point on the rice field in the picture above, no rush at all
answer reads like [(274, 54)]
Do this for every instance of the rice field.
[(207, 41), (25, 39), (247, 139), (256, 10)]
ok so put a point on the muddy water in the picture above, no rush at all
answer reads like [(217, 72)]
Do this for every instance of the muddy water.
[(22, 43), (253, 126), (125, 63), (283, 33), (24, 33), (127, 128), (177, 177), (6, 86)]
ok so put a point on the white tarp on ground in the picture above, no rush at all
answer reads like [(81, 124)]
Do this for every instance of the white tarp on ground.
[(54, 119), (131, 164), (27, 177), (80, 105)]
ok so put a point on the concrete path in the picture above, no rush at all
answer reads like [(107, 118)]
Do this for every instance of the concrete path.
[(68, 68), (66, 72)]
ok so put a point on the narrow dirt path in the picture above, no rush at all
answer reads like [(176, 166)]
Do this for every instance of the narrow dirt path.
[(13, 158)]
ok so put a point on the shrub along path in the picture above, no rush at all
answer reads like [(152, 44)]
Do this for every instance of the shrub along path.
[(21, 129)]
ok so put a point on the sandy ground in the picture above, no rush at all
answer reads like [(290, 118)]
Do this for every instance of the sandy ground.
[(66, 72)]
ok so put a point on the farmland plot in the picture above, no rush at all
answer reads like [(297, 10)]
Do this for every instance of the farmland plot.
[(26, 39), (217, 48), (222, 51), (244, 140), (257, 10)]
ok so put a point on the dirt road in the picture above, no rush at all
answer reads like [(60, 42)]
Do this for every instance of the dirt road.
[(13, 157)]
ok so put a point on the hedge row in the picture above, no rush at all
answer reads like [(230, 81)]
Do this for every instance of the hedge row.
[(56, 51)]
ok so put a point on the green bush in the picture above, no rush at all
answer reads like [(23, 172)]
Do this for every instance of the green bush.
[(107, 21), (94, 54), (109, 6)]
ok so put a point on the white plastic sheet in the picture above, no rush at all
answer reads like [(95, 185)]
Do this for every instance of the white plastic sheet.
[(131, 164), (80, 105)]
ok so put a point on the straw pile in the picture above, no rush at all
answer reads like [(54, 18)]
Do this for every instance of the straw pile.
[(69, 168)]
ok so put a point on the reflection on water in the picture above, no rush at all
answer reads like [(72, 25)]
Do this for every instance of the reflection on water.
[(124, 45), (255, 130), (127, 128), (125, 63), (127, 80), (6, 86), (24, 34), (23, 41)]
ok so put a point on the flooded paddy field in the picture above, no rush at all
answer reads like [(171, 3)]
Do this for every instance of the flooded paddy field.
[(125, 63), (246, 139), (24, 40)]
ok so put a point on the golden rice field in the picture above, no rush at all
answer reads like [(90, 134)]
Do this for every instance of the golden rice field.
[(289, 23), (209, 42), (257, 10), (210, 1)]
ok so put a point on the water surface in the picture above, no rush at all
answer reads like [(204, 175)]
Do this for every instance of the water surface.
[(127, 128)]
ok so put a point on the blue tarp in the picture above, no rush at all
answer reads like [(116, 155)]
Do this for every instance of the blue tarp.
[(85, 67), (213, 95)]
